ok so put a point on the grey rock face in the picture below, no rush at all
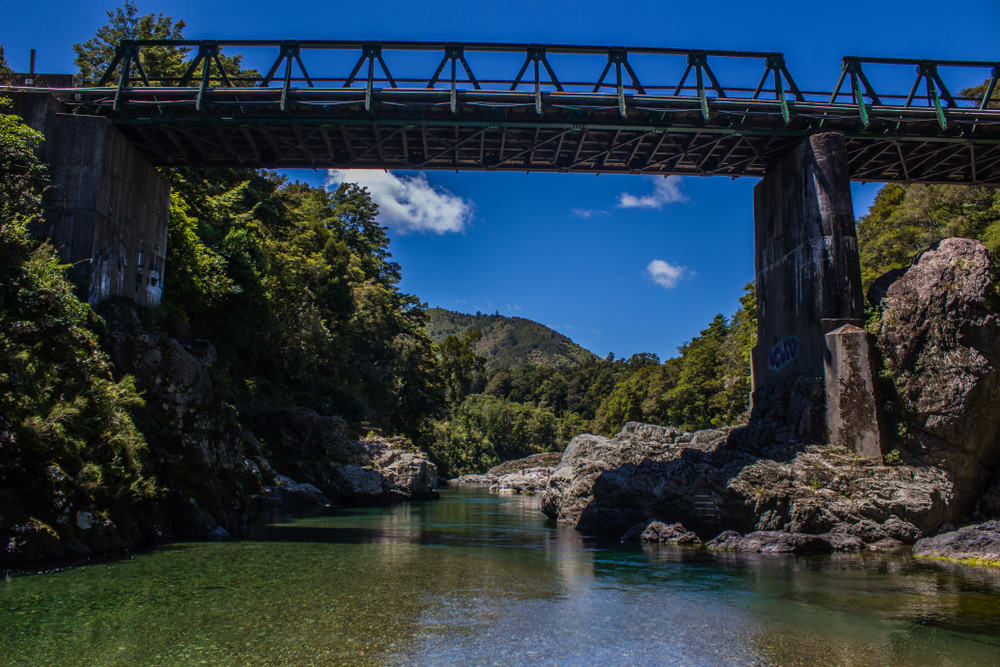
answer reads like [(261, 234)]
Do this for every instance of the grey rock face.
[(941, 344), (771, 541), (197, 446), (298, 496), (529, 475), (724, 480), (528, 481), (404, 474), (473, 480), (980, 542), (314, 448), (989, 502)]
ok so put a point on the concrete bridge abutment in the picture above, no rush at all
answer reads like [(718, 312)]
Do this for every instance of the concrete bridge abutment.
[(107, 208), (808, 278)]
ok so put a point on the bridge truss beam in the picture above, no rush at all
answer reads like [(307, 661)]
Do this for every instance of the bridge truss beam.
[(639, 110)]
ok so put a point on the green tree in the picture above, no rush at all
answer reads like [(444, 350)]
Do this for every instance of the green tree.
[(94, 56), (696, 401), (462, 369), (905, 219), (65, 425)]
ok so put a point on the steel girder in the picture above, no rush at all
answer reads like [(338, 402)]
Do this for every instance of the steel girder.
[(696, 123)]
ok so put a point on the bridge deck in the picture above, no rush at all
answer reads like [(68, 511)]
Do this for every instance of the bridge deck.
[(535, 121)]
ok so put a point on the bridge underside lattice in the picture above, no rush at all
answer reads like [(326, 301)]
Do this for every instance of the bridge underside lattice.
[(650, 119)]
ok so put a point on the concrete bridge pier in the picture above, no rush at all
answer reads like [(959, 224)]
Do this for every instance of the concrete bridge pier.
[(107, 208), (808, 285)]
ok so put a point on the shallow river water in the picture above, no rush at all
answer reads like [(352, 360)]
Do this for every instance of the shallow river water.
[(482, 579)]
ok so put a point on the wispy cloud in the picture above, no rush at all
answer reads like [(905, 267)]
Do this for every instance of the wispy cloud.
[(665, 191), (408, 203), (667, 275), (587, 213), (513, 308)]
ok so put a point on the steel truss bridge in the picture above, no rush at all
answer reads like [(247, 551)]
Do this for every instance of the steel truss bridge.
[(349, 104)]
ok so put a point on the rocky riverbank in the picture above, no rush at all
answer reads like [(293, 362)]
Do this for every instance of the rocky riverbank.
[(528, 476), (217, 471), (719, 480)]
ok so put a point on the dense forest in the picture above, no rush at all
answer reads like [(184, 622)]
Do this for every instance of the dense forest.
[(296, 288)]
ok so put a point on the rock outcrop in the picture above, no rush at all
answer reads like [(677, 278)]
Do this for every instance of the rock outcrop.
[(783, 542), (316, 449), (197, 447), (675, 533), (978, 543), (529, 475), (940, 338), (726, 479), (778, 488)]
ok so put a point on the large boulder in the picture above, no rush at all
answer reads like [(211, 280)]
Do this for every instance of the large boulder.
[(674, 533), (406, 473), (528, 475), (940, 339), (719, 480), (316, 449)]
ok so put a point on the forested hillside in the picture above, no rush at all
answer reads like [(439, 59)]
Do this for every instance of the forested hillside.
[(296, 289), (510, 412), (507, 341), (292, 287), (905, 219)]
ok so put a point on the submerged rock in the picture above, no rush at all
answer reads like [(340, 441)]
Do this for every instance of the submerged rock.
[(979, 543)]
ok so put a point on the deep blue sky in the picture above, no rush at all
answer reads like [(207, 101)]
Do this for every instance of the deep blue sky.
[(522, 249)]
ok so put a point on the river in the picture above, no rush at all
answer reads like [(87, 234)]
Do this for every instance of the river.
[(485, 579)]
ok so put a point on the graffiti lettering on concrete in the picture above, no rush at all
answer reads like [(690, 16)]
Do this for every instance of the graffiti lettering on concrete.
[(784, 352)]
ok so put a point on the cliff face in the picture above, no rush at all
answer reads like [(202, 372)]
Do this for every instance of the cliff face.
[(940, 339), (212, 467)]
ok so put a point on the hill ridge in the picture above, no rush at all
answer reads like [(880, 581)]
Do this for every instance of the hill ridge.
[(508, 340)]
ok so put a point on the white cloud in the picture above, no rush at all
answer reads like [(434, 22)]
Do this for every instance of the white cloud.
[(408, 203), (587, 213), (665, 191), (513, 308), (667, 275)]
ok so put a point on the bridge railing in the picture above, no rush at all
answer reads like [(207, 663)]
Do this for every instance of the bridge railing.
[(494, 74)]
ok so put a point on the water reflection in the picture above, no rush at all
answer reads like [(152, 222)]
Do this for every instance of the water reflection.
[(475, 578)]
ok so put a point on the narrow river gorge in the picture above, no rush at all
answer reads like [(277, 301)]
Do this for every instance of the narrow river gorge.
[(479, 578)]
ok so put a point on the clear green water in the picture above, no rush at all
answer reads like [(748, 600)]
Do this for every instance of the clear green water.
[(483, 579)]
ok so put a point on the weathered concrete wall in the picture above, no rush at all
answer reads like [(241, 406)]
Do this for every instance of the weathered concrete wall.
[(107, 209), (852, 415), (806, 259)]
